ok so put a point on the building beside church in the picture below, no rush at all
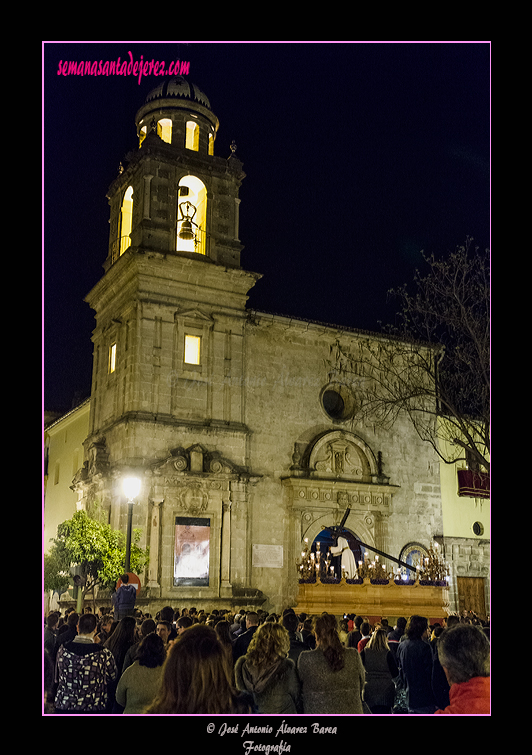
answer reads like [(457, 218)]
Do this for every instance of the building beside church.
[(240, 424)]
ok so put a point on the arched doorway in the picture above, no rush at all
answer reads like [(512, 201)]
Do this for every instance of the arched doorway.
[(328, 537)]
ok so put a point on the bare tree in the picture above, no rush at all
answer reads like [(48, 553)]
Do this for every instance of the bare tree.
[(434, 365)]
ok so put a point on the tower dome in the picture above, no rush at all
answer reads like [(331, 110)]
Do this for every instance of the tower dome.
[(178, 87), (181, 114)]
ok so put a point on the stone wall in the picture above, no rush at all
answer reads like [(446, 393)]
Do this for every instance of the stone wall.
[(467, 557), (286, 370)]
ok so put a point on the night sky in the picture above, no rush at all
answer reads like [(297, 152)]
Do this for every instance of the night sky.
[(357, 156)]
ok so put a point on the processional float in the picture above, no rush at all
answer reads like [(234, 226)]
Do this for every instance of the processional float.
[(373, 591)]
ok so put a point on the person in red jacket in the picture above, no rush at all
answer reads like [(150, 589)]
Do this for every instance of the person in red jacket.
[(464, 653)]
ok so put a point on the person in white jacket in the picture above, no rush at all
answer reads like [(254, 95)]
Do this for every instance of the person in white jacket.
[(348, 564)]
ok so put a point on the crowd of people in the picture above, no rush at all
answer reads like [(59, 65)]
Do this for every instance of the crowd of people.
[(184, 661)]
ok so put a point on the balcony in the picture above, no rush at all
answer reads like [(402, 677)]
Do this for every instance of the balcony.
[(473, 483)]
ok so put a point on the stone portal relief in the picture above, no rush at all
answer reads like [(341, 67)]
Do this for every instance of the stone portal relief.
[(193, 500), (341, 455)]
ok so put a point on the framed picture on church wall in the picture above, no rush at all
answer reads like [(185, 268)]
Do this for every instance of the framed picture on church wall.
[(192, 550)]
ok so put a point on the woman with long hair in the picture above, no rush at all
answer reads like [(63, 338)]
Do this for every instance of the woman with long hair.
[(140, 681), (223, 632), (122, 638), (332, 676), (266, 672), (197, 677), (381, 670), (120, 641)]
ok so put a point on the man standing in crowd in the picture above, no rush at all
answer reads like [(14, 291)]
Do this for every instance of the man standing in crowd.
[(414, 658), (242, 641), (464, 653), (84, 669), (164, 630), (124, 599)]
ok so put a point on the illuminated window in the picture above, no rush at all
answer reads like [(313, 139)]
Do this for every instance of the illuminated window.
[(126, 218), (164, 130), (211, 144), (192, 349), (193, 191), (112, 357), (192, 137)]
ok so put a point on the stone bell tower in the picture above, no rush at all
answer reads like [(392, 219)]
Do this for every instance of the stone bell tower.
[(167, 401), (170, 306)]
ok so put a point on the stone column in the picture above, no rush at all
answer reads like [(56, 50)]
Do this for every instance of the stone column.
[(381, 538), (240, 525), (225, 561), (237, 218), (147, 197), (153, 539)]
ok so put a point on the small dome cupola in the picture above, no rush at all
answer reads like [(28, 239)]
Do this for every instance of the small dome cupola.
[(181, 114)]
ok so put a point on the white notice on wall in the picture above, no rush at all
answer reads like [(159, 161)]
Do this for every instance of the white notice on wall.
[(270, 556)]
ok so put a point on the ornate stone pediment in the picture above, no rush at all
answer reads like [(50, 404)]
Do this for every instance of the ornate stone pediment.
[(194, 314), (335, 472), (196, 460), (339, 455)]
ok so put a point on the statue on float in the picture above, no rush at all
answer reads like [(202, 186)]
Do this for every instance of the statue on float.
[(348, 563)]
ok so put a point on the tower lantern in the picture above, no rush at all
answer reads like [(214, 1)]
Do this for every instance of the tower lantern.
[(175, 196)]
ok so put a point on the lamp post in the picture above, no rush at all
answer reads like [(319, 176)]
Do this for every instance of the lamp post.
[(131, 488)]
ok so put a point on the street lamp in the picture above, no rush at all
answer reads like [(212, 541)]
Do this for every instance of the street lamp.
[(131, 488)]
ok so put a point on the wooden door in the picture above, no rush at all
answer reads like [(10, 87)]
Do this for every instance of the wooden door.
[(471, 595)]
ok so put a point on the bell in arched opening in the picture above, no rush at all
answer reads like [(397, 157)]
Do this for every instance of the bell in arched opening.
[(186, 224)]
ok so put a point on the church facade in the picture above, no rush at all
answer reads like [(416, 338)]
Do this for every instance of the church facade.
[(241, 425)]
